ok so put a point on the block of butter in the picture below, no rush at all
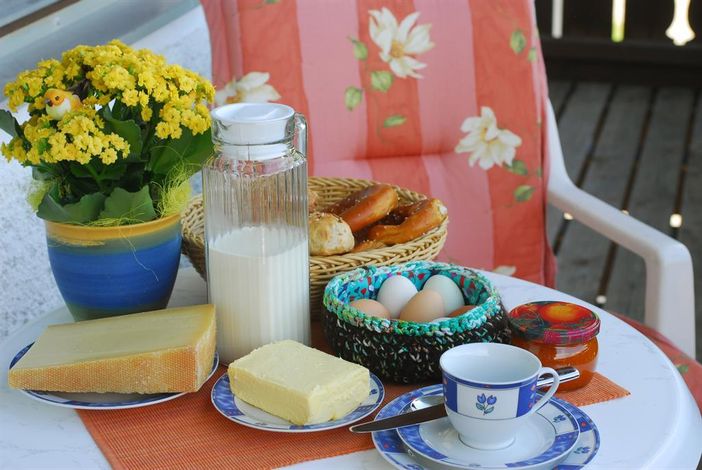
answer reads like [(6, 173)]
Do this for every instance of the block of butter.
[(299, 383), (162, 351)]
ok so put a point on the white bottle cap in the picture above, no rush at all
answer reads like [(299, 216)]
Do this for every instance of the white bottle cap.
[(252, 131)]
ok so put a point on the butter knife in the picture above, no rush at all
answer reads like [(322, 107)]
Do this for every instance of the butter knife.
[(566, 374)]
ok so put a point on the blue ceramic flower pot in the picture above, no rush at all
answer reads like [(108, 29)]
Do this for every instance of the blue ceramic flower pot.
[(106, 271)]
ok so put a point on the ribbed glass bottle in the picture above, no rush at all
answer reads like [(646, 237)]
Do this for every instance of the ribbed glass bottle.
[(255, 193)]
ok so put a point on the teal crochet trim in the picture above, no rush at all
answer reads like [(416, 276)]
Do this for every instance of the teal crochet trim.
[(365, 283)]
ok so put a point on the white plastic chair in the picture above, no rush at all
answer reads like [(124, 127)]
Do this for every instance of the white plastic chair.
[(669, 280), (670, 295)]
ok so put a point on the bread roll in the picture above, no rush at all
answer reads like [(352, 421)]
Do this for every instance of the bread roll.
[(312, 200), (329, 235)]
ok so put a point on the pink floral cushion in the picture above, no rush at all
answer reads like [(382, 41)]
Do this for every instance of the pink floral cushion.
[(444, 97)]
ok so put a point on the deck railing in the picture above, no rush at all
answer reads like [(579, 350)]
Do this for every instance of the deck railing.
[(679, 31), (639, 41)]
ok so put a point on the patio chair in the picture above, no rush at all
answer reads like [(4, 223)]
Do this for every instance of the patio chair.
[(448, 99)]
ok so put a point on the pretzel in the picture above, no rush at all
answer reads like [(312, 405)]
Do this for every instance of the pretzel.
[(365, 207), (366, 245), (422, 217)]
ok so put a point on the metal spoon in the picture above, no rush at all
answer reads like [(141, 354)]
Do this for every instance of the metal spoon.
[(566, 374)]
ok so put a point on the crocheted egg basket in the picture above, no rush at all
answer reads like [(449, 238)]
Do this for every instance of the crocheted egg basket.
[(401, 351)]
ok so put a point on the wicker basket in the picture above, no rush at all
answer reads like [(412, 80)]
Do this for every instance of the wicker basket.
[(401, 351), (323, 268)]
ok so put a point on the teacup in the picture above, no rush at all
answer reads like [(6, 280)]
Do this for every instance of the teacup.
[(490, 390)]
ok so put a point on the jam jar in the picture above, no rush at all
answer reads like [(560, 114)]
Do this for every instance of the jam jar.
[(561, 334)]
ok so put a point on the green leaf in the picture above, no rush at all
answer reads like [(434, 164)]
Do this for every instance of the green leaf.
[(78, 170), (352, 97), (113, 171), (517, 167), (531, 56), (271, 2), (381, 80), (122, 204), (84, 211), (198, 152), (394, 120), (360, 51), (682, 368), (42, 145), (518, 41), (118, 110), (523, 193), (133, 177), (43, 172), (8, 123), (128, 130), (189, 152)]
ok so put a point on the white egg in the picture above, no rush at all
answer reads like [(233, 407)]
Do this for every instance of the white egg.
[(448, 290), (394, 294)]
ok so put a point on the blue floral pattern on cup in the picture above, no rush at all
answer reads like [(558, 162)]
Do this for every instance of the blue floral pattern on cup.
[(559, 418), (486, 404), (582, 450)]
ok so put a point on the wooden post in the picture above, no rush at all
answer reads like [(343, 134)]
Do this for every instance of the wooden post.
[(557, 19), (618, 20)]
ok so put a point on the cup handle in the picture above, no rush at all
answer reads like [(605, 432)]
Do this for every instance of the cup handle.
[(547, 396)]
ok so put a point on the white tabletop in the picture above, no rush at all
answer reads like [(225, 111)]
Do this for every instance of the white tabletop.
[(657, 426)]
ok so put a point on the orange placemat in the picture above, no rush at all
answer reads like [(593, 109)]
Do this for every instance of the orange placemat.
[(189, 433), (598, 390)]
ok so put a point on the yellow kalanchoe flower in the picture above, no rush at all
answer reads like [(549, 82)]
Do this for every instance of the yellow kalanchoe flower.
[(78, 137), (150, 101), (136, 78)]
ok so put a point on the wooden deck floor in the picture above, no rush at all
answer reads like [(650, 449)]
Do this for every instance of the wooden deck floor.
[(639, 149)]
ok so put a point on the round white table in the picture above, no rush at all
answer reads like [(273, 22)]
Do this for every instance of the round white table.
[(657, 426)]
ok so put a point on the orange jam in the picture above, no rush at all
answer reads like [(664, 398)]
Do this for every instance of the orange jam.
[(560, 334)]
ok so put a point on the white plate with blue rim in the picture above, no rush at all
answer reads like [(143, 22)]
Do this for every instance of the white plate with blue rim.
[(243, 413), (562, 416), (101, 401)]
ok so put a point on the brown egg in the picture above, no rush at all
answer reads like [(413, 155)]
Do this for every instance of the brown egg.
[(425, 306), (461, 310), (371, 307)]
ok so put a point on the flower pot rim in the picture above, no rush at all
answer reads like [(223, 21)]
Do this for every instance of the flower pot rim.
[(79, 231)]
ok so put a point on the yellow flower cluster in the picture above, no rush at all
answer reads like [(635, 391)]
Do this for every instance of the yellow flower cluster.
[(78, 137), (139, 79), (31, 85)]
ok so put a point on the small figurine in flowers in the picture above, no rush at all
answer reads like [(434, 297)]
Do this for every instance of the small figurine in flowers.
[(113, 134)]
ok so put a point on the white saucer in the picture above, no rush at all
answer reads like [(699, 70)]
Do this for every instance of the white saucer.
[(397, 453), (101, 401), (545, 439), (243, 413)]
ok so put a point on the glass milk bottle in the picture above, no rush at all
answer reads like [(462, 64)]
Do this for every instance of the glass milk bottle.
[(255, 193)]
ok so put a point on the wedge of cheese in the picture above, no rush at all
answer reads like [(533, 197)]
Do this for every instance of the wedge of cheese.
[(153, 352), (299, 383)]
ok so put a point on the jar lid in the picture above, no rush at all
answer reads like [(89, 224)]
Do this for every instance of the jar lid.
[(252, 131), (556, 323)]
